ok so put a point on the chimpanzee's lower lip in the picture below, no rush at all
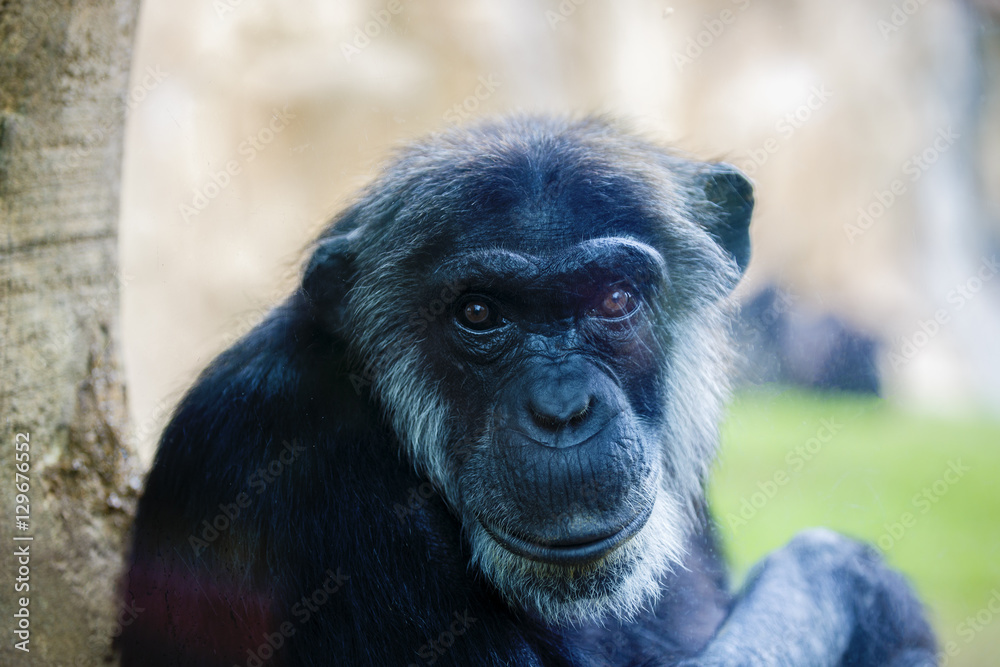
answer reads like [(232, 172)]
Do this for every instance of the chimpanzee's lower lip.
[(568, 551)]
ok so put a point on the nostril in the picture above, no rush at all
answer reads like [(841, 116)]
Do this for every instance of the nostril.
[(555, 419), (545, 422), (577, 418)]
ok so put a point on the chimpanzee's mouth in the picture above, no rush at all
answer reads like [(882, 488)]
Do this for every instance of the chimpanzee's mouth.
[(571, 549)]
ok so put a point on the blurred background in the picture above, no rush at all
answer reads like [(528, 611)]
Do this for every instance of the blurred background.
[(870, 394)]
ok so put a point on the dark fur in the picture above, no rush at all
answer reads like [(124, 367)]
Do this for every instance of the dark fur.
[(381, 445)]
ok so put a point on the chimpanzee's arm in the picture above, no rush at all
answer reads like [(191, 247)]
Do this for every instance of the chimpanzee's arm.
[(822, 600)]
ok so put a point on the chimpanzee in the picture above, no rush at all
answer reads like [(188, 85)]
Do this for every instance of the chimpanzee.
[(478, 434)]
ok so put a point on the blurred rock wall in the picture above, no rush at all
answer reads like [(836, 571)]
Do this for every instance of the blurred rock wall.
[(870, 128)]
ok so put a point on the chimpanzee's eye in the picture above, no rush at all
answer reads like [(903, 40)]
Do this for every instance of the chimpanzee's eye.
[(616, 303), (478, 314)]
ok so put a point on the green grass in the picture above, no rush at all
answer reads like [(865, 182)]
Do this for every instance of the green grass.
[(861, 481)]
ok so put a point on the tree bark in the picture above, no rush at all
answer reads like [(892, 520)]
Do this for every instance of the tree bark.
[(63, 82)]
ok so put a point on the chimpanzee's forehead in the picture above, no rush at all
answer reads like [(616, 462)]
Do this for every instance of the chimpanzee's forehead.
[(540, 202)]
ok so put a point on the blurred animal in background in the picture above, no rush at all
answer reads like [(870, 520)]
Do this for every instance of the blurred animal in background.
[(780, 341), (478, 434)]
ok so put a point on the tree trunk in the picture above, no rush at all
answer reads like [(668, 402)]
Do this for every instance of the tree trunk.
[(63, 82)]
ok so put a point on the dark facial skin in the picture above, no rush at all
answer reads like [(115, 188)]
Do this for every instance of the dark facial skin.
[(553, 357)]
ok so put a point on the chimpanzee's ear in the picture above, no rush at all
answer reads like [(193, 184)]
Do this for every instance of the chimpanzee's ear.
[(730, 196), (329, 275)]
